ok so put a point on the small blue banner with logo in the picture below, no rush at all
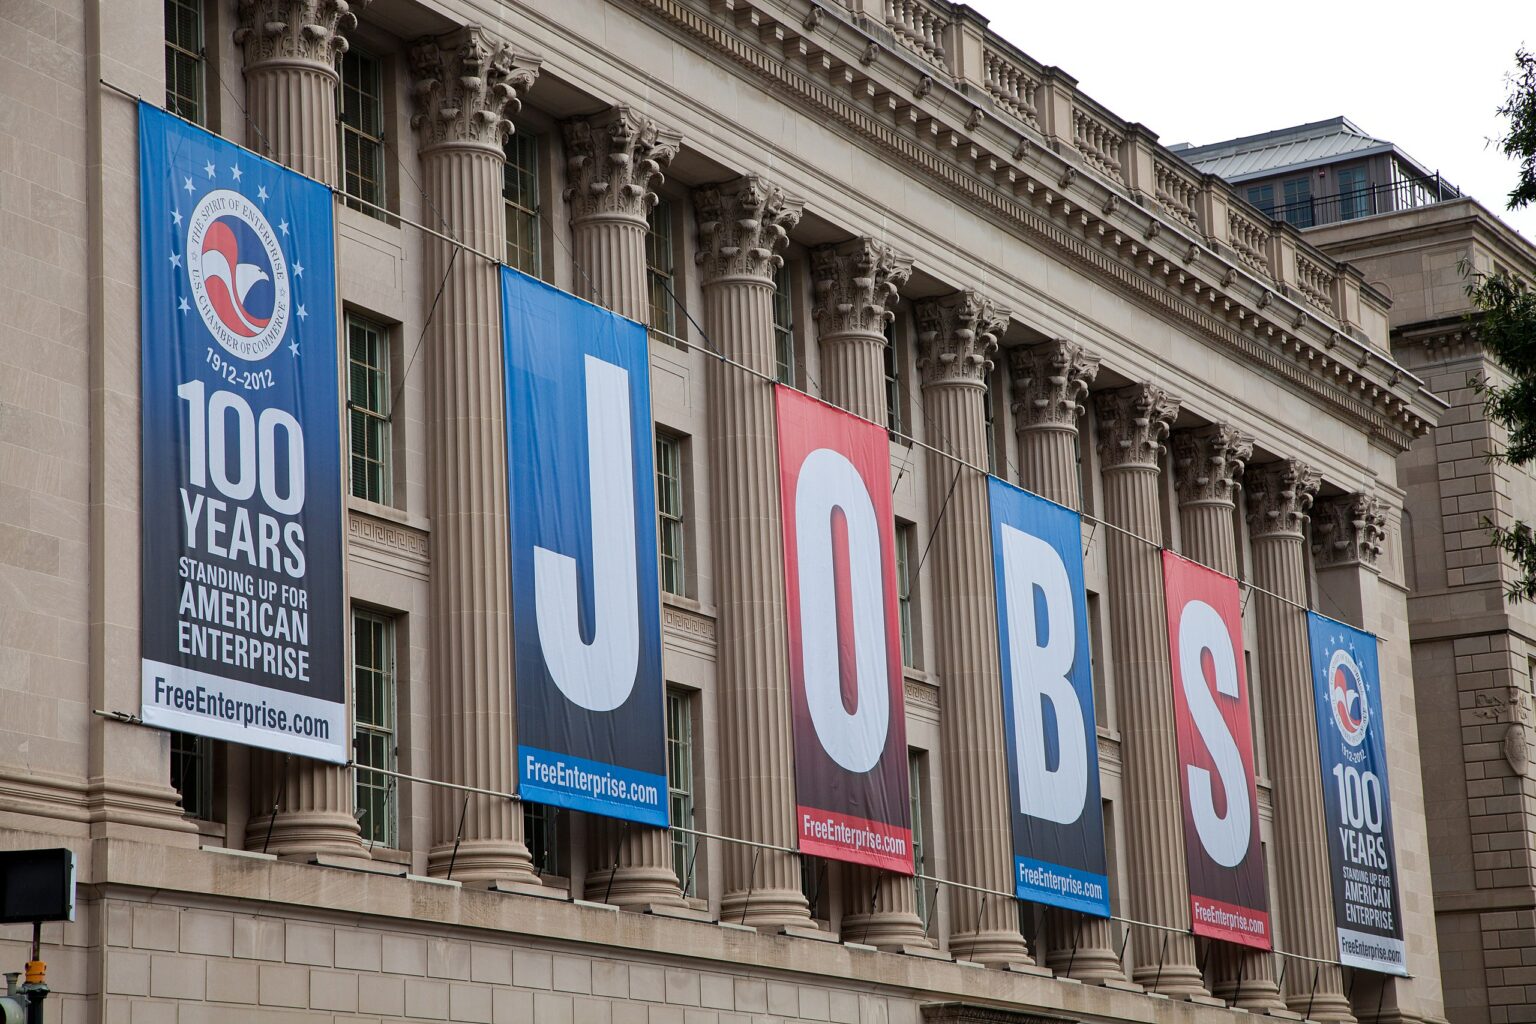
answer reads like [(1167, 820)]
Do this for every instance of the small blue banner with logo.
[(1357, 799), (242, 600)]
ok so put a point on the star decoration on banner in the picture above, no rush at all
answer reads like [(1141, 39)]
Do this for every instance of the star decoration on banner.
[(176, 217), (293, 346), (298, 269), (283, 227), (182, 305), (261, 193), (210, 169), (176, 259), (236, 172), (188, 185), (302, 314)]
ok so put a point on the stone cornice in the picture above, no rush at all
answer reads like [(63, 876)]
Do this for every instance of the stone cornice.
[(1208, 463), (305, 31), (1348, 529), (742, 226), (1279, 496), (613, 161), (956, 337), (1133, 423), (1041, 192), (1050, 382), (468, 84), (857, 283)]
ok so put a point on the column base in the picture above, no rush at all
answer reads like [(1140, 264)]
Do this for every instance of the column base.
[(1177, 981), (888, 931), (300, 832), (1326, 1007), (765, 908), (993, 948), (1082, 948), (483, 860), (1245, 979), (636, 887)]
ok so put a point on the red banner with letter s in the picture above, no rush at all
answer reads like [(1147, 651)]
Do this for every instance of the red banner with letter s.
[(844, 639), (1227, 895)]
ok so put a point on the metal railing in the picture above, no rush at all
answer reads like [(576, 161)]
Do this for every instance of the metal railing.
[(1405, 194)]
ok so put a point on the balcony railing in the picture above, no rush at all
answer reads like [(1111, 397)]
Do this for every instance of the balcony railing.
[(1407, 194)]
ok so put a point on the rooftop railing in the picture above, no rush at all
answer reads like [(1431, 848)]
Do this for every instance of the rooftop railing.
[(1403, 194)]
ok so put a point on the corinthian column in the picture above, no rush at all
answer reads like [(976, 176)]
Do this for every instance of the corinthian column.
[(466, 85), (291, 48), (1279, 495), (1209, 464), (1133, 421), (856, 284), (1050, 382), (612, 162), (957, 336), (742, 225)]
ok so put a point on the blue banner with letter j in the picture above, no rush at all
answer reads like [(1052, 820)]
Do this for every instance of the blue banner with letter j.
[(242, 599), (586, 605), (1357, 799)]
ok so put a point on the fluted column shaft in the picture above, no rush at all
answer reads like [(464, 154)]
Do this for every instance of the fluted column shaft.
[(1209, 463), (613, 161), (290, 52), (464, 83), (1132, 423), (856, 283), (1279, 496), (957, 336), (742, 225)]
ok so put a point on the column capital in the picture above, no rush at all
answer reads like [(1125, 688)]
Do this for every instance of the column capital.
[(1050, 382), (467, 85), (296, 31), (856, 284), (1133, 423), (742, 226), (613, 160), (1208, 463), (1348, 529), (1279, 496), (957, 335)]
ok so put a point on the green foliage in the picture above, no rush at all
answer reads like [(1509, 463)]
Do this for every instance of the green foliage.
[(1520, 143)]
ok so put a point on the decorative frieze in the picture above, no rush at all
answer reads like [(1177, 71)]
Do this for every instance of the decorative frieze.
[(1348, 530), (1133, 423), (382, 535), (613, 163), (956, 337), (468, 86), (688, 624), (1209, 462), (857, 283), (742, 225), (1050, 382), (310, 31)]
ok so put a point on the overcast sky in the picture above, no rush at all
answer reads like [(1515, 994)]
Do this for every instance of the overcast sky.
[(1425, 76)]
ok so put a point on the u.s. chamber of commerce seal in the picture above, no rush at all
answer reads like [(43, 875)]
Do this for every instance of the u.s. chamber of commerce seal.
[(1346, 698), (239, 275)]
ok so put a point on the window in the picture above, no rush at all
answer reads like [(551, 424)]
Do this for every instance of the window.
[(541, 831), (904, 533), (520, 190), (192, 774), (368, 409), (184, 59), (680, 787), (669, 514), (659, 272), (919, 848), (362, 131), (893, 419), (783, 328), (1354, 200), (1263, 196), (1298, 202), (373, 741)]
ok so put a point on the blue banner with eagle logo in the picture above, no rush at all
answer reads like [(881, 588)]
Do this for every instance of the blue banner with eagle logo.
[(242, 600)]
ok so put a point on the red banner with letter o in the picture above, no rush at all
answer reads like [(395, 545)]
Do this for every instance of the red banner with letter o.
[(1227, 895), (844, 639)]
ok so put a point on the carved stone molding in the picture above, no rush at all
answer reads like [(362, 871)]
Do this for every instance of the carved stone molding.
[(1050, 382), (924, 694), (688, 624), (742, 226), (382, 535), (1348, 530), (1279, 496), (613, 161), (1133, 423), (1208, 463), (468, 85), (857, 283), (956, 337), (307, 31), (970, 1013)]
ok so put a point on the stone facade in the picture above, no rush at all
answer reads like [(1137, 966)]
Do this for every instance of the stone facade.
[(955, 312)]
